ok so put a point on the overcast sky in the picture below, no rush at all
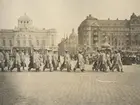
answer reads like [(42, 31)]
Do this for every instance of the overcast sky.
[(64, 14)]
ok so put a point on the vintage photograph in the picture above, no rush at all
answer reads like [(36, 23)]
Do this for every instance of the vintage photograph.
[(69, 52)]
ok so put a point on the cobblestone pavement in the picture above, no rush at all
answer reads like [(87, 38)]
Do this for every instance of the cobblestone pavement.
[(69, 88)]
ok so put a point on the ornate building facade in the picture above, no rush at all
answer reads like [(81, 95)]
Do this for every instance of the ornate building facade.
[(69, 43), (27, 36), (121, 34)]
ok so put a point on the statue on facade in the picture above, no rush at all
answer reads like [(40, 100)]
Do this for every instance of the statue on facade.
[(105, 44)]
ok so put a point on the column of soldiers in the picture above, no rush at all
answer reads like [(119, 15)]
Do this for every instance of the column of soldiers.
[(107, 60), (103, 60)]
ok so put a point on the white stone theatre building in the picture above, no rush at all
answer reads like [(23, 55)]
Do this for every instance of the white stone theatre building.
[(25, 35)]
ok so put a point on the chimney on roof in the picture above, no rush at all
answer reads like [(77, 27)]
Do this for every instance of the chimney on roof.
[(108, 18), (117, 19), (90, 15)]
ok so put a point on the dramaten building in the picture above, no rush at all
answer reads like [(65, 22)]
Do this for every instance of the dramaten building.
[(27, 36), (121, 34)]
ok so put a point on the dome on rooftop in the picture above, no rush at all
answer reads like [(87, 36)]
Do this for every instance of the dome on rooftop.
[(89, 21), (24, 18)]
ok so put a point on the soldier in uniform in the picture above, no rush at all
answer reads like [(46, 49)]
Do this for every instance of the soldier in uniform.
[(50, 58), (97, 62), (2, 60), (27, 59), (7, 59), (103, 61), (55, 60), (67, 62), (37, 61), (45, 60), (32, 57), (80, 62), (117, 63), (22, 56), (17, 61)]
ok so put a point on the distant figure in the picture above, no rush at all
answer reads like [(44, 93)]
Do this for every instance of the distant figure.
[(117, 62), (55, 60), (17, 61), (2, 60), (50, 60), (67, 62), (80, 62)]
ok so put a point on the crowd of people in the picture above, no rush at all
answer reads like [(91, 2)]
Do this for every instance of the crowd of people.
[(102, 60)]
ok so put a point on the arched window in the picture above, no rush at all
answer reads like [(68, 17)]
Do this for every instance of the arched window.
[(30, 43), (18, 42), (4, 43), (37, 42), (10, 42), (115, 42), (43, 42), (24, 42)]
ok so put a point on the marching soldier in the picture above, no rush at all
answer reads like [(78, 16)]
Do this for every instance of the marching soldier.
[(55, 60), (2, 60), (103, 66), (108, 56), (37, 61), (117, 63), (22, 56), (17, 61), (32, 57), (50, 58), (45, 60), (97, 63), (7, 59), (80, 62), (67, 62)]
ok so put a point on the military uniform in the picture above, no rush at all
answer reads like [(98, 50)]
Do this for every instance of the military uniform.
[(37, 61), (117, 63), (2, 61), (45, 61), (103, 62), (50, 62), (7, 59), (17, 61), (22, 56), (55, 60), (66, 63), (32, 60), (80, 62)]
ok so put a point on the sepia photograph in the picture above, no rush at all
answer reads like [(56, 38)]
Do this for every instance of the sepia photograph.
[(69, 52)]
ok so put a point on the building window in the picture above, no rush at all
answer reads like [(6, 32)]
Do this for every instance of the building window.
[(37, 42), (43, 42), (30, 43), (24, 42), (4, 43), (18, 42), (29, 36), (10, 42)]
